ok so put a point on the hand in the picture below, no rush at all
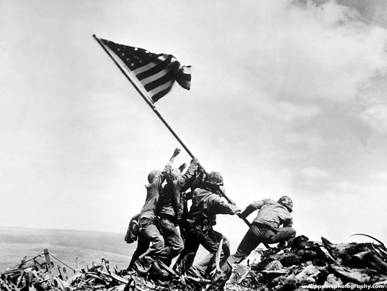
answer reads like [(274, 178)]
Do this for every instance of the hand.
[(237, 210), (182, 167), (176, 152)]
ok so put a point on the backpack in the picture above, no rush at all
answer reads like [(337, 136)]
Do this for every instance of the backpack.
[(133, 229)]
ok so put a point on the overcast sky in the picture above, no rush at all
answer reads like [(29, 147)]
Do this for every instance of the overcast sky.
[(287, 98)]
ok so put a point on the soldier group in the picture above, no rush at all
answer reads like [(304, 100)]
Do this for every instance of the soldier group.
[(167, 228)]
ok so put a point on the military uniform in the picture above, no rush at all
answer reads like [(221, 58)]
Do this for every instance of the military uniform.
[(266, 226), (170, 209), (206, 204), (149, 235)]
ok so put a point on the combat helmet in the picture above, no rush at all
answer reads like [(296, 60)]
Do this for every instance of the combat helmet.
[(287, 202), (214, 178)]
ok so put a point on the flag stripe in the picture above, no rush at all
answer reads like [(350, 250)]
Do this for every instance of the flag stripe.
[(154, 77), (160, 88), (153, 74), (144, 68), (160, 95), (154, 70), (158, 82)]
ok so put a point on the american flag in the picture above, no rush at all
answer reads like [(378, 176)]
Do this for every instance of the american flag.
[(156, 73)]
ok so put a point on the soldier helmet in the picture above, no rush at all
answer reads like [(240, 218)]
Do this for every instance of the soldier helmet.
[(152, 175), (215, 178), (287, 202)]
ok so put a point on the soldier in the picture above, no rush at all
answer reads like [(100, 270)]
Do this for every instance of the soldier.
[(266, 226), (149, 232), (206, 204), (170, 209)]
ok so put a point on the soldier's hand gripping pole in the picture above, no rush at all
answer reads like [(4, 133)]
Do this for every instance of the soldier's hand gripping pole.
[(226, 197), (232, 202)]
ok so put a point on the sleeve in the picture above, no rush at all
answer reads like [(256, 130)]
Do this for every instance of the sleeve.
[(217, 205), (177, 200), (288, 222), (180, 185), (252, 207), (189, 175)]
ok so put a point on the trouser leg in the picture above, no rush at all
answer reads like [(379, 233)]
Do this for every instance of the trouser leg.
[(283, 234), (250, 241), (151, 233), (173, 241), (187, 255), (142, 246), (210, 240)]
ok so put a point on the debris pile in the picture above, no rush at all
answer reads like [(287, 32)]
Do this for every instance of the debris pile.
[(46, 272), (302, 265), (305, 264)]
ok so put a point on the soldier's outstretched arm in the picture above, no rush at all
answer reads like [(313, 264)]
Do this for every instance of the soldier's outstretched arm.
[(168, 167), (252, 207), (219, 206)]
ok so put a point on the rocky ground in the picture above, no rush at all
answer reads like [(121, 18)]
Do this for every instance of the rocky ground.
[(302, 265)]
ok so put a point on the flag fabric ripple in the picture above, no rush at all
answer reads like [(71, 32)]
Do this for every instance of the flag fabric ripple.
[(156, 73)]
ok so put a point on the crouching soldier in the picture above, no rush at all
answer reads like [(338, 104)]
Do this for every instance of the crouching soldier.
[(206, 204), (266, 227)]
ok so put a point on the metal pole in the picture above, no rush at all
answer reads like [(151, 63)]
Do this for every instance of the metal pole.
[(146, 98)]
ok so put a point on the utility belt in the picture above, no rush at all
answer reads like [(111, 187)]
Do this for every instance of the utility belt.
[(263, 225)]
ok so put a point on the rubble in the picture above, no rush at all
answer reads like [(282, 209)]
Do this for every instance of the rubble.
[(302, 265), (305, 264)]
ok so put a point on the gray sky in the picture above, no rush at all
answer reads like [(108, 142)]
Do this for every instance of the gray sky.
[(285, 99)]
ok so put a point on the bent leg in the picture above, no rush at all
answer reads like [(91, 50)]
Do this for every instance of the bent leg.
[(187, 255), (210, 240), (283, 234), (142, 246), (173, 241), (151, 233), (250, 241)]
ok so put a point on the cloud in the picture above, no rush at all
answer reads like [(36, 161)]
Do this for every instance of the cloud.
[(314, 173), (287, 112), (380, 176), (376, 116), (306, 54)]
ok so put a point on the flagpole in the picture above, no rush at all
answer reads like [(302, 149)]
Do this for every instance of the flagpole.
[(151, 105), (146, 99)]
